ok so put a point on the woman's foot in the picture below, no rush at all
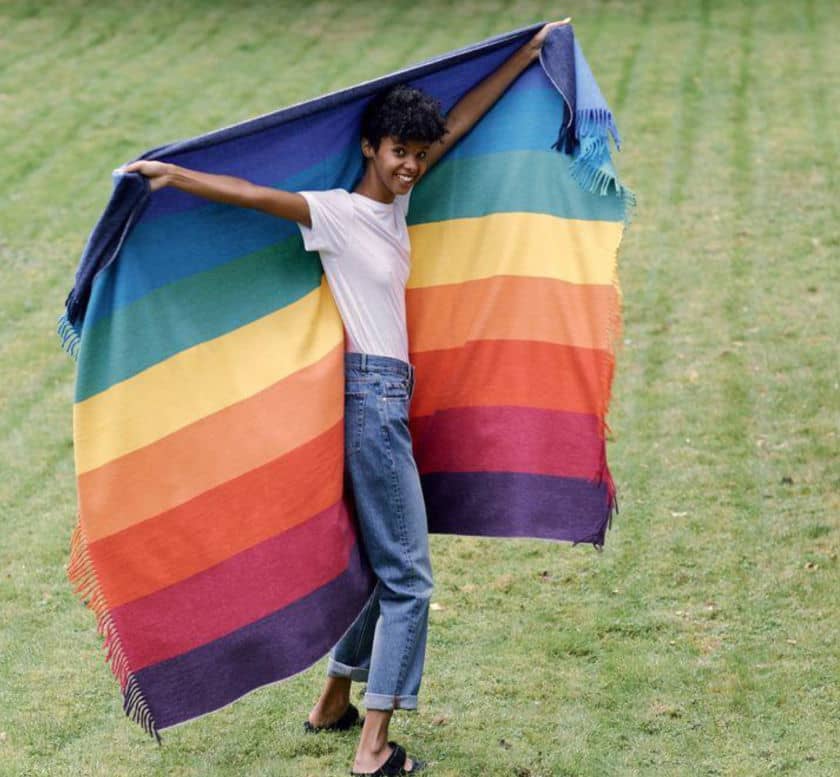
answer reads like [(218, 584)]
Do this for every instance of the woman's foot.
[(348, 719), (375, 755), (333, 705), (395, 762)]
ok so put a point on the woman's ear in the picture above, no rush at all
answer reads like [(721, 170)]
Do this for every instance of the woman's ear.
[(368, 151)]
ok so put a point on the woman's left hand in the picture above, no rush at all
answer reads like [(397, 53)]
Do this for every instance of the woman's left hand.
[(536, 43)]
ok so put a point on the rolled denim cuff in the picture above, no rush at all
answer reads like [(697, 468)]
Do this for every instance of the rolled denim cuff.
[(355, 673), (380, 701)]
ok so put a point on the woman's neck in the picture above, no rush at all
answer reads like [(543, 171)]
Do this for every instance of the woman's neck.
[(371, 187)]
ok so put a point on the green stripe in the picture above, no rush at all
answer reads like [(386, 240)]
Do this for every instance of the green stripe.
[(508, 182), (192, 310)]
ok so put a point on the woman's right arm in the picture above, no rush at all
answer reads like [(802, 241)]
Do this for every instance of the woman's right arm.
[(225, 188)]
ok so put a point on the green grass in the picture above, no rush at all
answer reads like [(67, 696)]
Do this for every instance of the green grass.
[(703, 640)]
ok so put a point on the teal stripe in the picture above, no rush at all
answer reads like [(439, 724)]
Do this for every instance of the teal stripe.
[(510, 182), (192, 310)]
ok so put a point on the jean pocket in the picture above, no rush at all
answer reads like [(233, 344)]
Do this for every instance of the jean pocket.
[(358, 386), (354, 421), (395, 389)]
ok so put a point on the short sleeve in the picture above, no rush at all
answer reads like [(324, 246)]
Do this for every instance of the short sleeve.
[(331, 214), (402, 201)]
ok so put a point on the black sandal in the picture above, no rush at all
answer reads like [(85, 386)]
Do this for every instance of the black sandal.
[(345, 722), (394, 766)]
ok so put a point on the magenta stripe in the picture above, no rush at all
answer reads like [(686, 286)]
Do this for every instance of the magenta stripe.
[(243, 588), (510, 439)]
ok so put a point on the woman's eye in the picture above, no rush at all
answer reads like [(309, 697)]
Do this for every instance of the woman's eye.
[(421, 155), (399, 151)]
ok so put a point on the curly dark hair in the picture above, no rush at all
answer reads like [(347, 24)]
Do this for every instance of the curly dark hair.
[(405, 113)]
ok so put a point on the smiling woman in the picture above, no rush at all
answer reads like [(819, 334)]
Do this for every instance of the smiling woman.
[(307, 505), (400, 128), (405, 161)]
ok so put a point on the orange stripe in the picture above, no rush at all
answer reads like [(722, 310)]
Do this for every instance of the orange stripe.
[(511, 308), (513, 372), (213, 450), (219, 523)]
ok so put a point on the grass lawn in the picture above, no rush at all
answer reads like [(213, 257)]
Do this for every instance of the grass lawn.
[(703, 640)]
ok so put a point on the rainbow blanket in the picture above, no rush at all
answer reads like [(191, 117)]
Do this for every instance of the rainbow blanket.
[(215, 541)]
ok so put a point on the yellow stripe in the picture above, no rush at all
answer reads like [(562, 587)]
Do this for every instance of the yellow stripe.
[(204, 379), (531, 244)]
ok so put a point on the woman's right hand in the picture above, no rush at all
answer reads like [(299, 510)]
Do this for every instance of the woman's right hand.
[(157, 172)]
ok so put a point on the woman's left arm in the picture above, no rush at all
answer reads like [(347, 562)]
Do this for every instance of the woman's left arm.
[(475, 103)]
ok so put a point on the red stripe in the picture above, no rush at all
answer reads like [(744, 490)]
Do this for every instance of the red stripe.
[(513, 372), (241, 590)]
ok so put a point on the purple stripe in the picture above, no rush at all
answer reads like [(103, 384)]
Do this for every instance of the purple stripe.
[(509, 504), (270, 649)]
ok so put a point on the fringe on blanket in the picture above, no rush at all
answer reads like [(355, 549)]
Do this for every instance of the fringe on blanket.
[(69, 336), (86, 585)]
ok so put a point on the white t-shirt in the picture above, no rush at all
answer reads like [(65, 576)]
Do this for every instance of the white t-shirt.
[(366, 255)]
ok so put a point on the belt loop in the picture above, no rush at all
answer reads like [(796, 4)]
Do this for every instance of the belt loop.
[(364, 362)]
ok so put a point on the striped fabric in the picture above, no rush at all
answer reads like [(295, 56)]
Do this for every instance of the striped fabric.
[(215, 542)]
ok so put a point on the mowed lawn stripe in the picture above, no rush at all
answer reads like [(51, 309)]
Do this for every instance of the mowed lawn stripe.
[(771, 510), (734, 412), (73, 94), (249, 76), (33, 43), (679, 292), (628, 63), (821, 105), (174, 63), (339, 70), (693, 266), (112, 108), (654, 300), (167, 55)]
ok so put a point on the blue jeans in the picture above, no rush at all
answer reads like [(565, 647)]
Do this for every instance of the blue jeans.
[(386, 645)]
